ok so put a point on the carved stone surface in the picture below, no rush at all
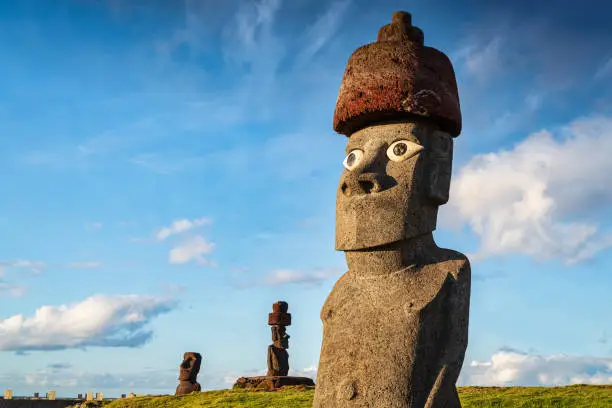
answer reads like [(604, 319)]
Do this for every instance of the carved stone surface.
[(395, 325), (188, 373)]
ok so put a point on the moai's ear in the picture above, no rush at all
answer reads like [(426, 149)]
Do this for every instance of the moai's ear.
[(439, 167)]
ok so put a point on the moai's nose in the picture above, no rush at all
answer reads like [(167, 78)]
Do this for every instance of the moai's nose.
[(364, 183)]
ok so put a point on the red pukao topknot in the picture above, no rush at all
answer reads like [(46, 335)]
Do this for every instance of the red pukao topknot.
[(395, 78)]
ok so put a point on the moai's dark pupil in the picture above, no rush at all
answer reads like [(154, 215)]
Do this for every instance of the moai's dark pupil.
[(400, 149), (350, 160)]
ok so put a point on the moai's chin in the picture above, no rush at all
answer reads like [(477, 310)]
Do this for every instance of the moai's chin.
[(376, 220)]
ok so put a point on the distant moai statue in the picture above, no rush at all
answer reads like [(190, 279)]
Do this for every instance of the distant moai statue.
[(99, 396), (89, 396), (278, 357), (8, 394), (395, 325), (51, 395), (277, 375), (188, 374)]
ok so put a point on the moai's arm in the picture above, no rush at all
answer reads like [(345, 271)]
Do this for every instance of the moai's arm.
[(444, 392), (270, 361)]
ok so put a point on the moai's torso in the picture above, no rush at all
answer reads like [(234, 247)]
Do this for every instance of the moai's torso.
[(278, 361), (384, 336)]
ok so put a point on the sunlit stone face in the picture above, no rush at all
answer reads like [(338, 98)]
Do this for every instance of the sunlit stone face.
[(190, 367), (395, 176)]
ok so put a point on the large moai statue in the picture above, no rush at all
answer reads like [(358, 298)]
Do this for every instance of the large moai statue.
[(188, 374), (395, 326)]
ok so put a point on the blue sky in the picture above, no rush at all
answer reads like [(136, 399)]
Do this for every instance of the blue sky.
[(169, 170)]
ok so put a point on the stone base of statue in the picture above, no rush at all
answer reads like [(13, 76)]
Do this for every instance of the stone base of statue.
[(271, 383), (187, 387)]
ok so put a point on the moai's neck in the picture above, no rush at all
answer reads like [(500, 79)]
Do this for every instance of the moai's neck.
[(390, 258)]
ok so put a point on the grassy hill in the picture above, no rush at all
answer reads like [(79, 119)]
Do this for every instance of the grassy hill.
[(575, 396)]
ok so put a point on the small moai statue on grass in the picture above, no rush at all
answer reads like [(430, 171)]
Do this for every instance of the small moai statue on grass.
[(188, 374), (277, 375), (395, 325), (278, 357), (8, 394)]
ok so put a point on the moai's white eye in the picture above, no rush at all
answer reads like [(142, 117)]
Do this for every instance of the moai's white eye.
[(403, 149), (352, 159)]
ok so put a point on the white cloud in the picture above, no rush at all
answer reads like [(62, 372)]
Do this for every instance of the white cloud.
[(191, 249), (103, 321), (287, 276), (180, 226), (510, 367), (540, 197)]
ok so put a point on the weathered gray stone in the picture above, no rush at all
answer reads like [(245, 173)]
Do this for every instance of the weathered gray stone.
[(395, 325)]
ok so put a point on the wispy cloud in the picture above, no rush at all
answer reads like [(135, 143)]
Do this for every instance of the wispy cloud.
[(181, 226), (290, 276), (322, 30), (482, 60), (605, 70), (32, 266), (93, 226), (12, 290), (98, 321)]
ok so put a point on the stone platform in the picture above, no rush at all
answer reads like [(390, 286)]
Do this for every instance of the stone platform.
[(269, 383)]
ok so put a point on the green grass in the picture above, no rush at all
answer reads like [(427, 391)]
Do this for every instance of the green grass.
[(575, 396)]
